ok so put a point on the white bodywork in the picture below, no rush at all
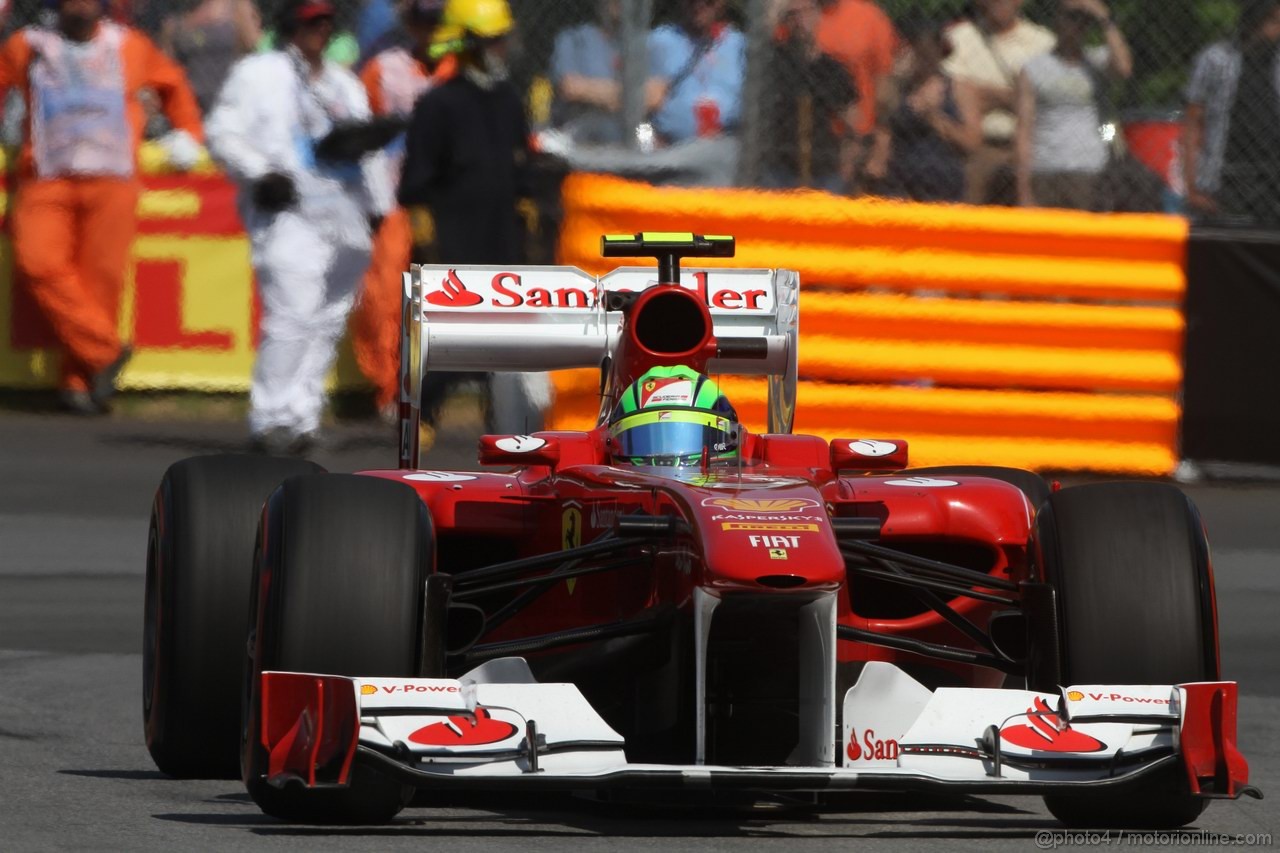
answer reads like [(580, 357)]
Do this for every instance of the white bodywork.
[(478, 726), (486, 319)]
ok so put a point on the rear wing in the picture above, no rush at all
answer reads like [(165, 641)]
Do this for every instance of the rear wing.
[(529, 319)]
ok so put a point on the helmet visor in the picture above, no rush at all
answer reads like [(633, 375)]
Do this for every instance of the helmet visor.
[(673, 437)]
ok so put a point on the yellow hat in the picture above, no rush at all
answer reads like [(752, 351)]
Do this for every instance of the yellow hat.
[(484, 19)]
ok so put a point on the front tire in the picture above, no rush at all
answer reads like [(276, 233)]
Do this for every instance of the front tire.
[(199, 559), (1134, 588), (1031, 483), (338, 588)]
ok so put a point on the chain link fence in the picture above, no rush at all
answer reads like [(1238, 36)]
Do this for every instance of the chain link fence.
[(1071, 103)]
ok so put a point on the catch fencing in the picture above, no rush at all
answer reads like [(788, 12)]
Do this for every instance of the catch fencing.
[(790, 126)]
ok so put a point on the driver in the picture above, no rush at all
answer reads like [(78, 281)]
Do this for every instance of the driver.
[(668, 417)]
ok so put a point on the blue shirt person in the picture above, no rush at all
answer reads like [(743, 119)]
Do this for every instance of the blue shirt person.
[(586, 70), (703, 67)]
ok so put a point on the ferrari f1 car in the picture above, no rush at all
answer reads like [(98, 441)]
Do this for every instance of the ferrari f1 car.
[(671, 601)]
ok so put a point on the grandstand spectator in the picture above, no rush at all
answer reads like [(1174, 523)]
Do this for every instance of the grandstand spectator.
[(989, 51), (376, 20), (75, 214), (1231, 129), (928, 123), (394, 79), (860, 34), (697, 69), (811, 108), (208, 40), (1060, 153), (586, 72), (343, 48)]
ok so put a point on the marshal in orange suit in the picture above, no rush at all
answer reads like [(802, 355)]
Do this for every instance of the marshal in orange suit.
[(75, 213)]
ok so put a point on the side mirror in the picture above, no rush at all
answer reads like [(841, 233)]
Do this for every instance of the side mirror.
[(519, 450), (868, 454)]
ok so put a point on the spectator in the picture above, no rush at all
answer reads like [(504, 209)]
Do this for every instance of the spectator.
[(375, 21), (697, 71), (394, 79), (343, 48), (812, 108), (208, 40), (467, 167), (929, 123), (989, 51), (586, 71), (309, 219), (1060, 153), (77, 185), (860, 34), (1231, 129)]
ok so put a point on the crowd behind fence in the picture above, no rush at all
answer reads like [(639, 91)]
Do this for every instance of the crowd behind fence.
[(1066, 103)]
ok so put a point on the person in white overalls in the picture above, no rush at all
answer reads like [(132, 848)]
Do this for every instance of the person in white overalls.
[(309, 219)]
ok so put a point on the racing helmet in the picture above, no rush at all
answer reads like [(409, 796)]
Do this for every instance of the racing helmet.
[(669, 416)]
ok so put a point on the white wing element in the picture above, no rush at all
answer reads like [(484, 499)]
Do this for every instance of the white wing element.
[(530, 319), (498, 724), (550, 318)]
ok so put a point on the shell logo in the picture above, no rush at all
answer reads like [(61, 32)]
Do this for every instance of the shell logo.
[(367, 690), (764, 505), (1075, 695)]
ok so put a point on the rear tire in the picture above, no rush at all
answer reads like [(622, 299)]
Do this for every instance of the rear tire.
[(1031, 483), (338, 589), (199, 560), (1130, 567)]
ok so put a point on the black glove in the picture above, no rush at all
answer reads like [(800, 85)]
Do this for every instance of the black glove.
[(274, 192), (352, 141)]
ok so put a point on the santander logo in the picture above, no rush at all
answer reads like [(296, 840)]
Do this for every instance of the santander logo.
[(460, 730), (1044, 731), (534, 288), (454, 294)]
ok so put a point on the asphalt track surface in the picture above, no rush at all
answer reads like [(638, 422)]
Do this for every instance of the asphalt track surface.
[(75, 774)]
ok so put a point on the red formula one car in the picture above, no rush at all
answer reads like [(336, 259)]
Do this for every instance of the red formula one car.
[(670, 601)]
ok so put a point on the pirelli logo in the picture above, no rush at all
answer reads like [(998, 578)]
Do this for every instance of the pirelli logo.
[(768, 525)]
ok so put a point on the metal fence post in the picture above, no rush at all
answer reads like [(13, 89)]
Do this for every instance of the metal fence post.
[(753, 87), (637, 18)]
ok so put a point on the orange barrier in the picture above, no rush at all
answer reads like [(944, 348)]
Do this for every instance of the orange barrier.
[(1031, 381), (1070, 360)]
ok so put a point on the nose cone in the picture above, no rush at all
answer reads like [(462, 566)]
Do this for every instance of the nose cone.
[(773, 539)]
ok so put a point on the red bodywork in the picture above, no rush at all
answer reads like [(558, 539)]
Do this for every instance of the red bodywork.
[(764, 527), (737, 533)]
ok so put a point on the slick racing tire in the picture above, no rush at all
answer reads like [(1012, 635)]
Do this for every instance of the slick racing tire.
[(338, 586), (199, 559), (1130, 567), (1031, 483)]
